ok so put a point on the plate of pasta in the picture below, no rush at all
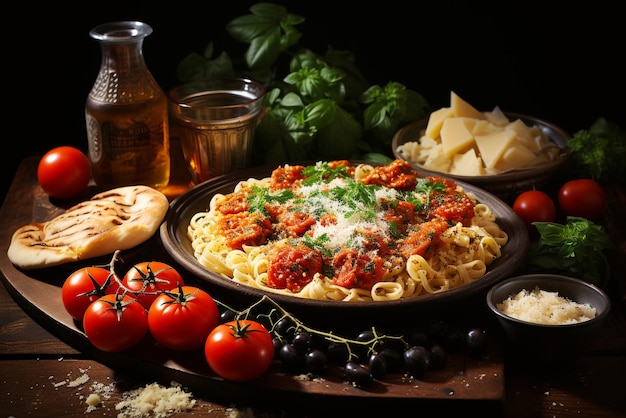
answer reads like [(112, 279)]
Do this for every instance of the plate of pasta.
[(345, 236)]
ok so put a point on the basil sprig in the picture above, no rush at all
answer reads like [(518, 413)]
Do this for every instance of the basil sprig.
[(576, 248), (322, 108)]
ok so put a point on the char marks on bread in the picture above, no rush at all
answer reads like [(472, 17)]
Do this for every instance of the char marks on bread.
[(117, 219)]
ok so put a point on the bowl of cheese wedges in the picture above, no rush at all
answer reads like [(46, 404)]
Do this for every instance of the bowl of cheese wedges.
[(501, 152)]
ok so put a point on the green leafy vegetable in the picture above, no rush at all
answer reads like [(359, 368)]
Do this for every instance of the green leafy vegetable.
[(426, 186), (262, 196), (317, 243), (420, 197), (322, 172), (575, 248), (390, 107), (600, 152), (269, 30), (359, 197), (323, 108)]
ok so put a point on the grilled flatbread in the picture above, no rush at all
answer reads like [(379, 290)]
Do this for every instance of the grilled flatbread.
[(117, 219)]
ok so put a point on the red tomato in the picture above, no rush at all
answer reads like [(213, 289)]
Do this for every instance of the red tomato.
[(64, 172), (583, 197), (85, 286), (534, 206), (239, 350), (148, 279), (115, 323), (183, 320)]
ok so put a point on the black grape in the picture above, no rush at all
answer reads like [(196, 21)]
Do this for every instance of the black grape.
[(416, 360), (358, 375), (316, 361)]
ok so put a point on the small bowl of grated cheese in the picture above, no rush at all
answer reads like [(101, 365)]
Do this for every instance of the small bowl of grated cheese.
[(553, 316)]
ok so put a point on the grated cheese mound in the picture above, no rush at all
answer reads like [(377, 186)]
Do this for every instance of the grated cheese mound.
[(154, 400), (543, 307)]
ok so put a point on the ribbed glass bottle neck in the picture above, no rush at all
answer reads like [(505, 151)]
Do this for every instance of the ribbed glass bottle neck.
[(123, 77)]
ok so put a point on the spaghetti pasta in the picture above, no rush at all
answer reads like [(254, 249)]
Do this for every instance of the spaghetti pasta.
[(343, 232)]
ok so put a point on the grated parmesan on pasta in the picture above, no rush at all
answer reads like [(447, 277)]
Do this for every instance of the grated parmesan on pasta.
[(544, 307)]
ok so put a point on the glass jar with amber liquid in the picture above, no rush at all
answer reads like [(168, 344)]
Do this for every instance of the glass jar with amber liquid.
[(126, 112)]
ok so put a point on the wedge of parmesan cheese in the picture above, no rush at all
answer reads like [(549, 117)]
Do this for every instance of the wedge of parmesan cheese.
[(461, 108), (456, 135), (467, 164), (513, 156), (497, 117), (493, 145), (435, 121)]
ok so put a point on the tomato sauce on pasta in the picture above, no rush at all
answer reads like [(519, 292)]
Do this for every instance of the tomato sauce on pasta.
[(339, 231)]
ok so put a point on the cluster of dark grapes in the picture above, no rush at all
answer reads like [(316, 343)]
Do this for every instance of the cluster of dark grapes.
[(370, 355)]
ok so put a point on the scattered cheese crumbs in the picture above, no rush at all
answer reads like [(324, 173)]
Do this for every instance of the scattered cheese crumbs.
[(543, 307), (93, 400), (99, 393), (154, 400), (102, 390), (81, 380), (241, 413)]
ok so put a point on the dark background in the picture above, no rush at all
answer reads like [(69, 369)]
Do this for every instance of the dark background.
[(562, 63)]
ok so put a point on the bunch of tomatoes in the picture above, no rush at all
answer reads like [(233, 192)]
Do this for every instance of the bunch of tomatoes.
[(117, 314), (583, 198), (151, 298)]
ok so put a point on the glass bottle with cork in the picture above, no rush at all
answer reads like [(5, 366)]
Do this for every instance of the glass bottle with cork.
[(126, 112)]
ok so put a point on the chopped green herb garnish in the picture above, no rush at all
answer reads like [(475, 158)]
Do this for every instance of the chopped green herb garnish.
[(317, 243), (262, 196), (322, 172), (420, 197), (359, 197), (426, 186)]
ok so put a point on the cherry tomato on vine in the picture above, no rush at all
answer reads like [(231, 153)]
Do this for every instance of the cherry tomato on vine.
[(115, 323), (83, 287), (583, 197), (534, 206), (182, 318), (64, 172), (239, 350), (146, 280)]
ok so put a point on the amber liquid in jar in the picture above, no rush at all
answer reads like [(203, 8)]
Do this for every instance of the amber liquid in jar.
[(126, 113), (132, 145)]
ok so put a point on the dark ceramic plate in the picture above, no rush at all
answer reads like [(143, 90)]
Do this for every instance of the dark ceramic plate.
[(505, 185), (174, 237)]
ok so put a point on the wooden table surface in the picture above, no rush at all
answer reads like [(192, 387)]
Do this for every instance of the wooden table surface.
[(40, 373)]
